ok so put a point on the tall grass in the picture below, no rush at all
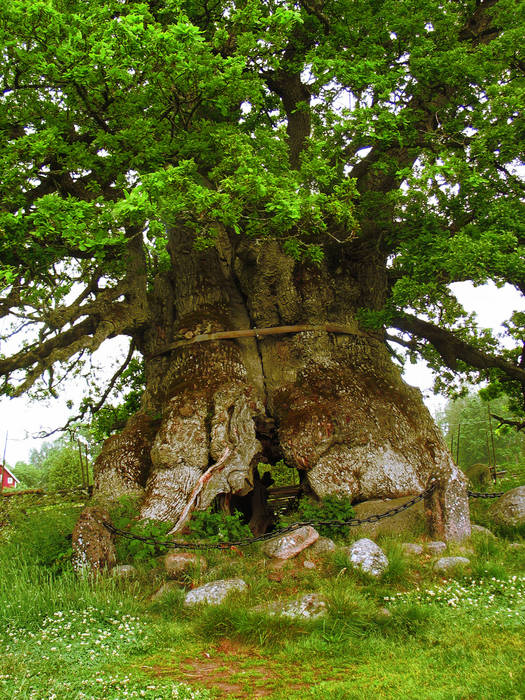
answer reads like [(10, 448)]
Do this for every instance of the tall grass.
[(29, 592)]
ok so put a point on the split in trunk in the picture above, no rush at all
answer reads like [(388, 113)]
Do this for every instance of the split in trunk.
[(342, 414)]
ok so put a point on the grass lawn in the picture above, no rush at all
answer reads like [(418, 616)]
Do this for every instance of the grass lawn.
[(410, 634)]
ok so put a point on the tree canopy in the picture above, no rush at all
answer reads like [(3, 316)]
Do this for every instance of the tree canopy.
[(386, 127)]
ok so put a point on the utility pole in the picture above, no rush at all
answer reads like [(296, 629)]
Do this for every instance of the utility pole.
[(494, 474), (2, 465)]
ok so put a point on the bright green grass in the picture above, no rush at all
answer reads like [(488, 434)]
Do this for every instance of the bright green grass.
[(64, 638)]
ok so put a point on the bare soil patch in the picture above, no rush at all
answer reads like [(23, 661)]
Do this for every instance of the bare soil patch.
[(231, 669)]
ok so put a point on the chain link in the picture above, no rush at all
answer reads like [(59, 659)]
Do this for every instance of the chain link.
[(477, 494), (353, 522)]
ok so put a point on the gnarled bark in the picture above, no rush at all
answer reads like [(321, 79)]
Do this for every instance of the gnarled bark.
[(342, 413)]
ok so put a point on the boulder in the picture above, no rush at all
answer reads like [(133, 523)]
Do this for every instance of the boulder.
[(93, 546), (368, 557), (124, 571), (412, 548), (176, 563), (445, 565), (309, 606), (480, 530), (509, 509), (435, 547), (479, 474), (166, 588), (411, 521), (215, 592), (288, 546), (324, 545)]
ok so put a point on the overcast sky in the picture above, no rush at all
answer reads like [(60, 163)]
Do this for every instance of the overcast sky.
[(21, 419)]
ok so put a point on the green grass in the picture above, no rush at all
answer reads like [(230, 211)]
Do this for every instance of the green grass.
[(410, 634)]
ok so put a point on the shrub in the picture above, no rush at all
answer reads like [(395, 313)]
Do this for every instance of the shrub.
[(124, 516), (329, 508), (218, 527), (44, 536)]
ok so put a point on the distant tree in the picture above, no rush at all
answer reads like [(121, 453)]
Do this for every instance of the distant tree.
[(55, 465), (470, 414), (30, 475)]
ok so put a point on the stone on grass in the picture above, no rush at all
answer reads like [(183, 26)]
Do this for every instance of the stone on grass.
[(93, 546), (166, 588), (447, 564), (368, 557), (435, 547), (412, 548), (509, 509), (124, 571), (309, 606), (480, 530), (176, 563), (516, 545), (412, 522), (324, 545), (215, 592), (290, 545), (309, 564)]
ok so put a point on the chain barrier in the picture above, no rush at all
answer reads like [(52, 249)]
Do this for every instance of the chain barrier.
[(353, 522), (477, 494)]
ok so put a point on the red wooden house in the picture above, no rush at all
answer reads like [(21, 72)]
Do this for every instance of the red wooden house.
[(7, 478)]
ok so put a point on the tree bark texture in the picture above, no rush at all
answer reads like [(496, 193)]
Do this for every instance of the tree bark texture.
[(342, 413)]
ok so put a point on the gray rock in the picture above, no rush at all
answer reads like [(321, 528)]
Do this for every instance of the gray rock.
[(447, 564), (435, 547), (324, 545), (309, 564), (479, 474), (516, 545), (309, 606), (509, 509), (411, 521), (124, 571), (368, 557), (290, 545), (214, 592), (412, 548), (176, 563), (465, 550), (166, 588), (480, 530)]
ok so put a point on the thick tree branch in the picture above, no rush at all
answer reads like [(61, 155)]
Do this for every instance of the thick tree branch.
[(451, 348)]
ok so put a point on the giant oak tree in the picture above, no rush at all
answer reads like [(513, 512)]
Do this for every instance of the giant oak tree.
[(173, 171)]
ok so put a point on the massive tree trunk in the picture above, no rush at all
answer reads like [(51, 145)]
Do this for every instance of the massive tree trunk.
[(332, 403)]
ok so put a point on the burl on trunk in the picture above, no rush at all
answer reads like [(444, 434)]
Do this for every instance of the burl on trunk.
[(341, 413)]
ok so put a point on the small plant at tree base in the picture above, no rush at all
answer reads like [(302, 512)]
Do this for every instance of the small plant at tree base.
[(218, 527), (124, 517), (329, 508)]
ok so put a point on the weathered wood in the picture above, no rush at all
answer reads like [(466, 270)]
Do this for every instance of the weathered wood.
[(201, 483), (256, 332)]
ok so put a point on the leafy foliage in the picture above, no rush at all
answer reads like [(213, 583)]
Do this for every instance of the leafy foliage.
[(350, 132), (124, 516), (218, 527), (468, 417), (329, 508), (56, 465)]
